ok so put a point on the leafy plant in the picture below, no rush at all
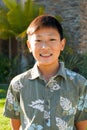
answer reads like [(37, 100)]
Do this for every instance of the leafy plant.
[(8, 68), (15, 17), (4, 68)]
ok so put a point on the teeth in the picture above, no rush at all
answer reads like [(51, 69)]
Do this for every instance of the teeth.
[(45, 54)]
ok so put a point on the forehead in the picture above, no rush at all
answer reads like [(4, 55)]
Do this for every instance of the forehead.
[(46, 32)]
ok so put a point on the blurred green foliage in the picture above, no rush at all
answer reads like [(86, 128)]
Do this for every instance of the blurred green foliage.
[(16, 17), (8, 68)]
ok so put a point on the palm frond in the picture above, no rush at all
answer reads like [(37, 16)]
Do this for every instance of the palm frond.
[(5, 34), (18, 17), (10, 4)]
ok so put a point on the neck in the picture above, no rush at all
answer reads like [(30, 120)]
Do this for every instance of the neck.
[(48, 71)]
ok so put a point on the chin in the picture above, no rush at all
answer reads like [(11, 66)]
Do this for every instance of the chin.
[(45, 63)]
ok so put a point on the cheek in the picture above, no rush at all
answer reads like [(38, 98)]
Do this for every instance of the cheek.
[(57, 48), (34, 51), (32, 47)]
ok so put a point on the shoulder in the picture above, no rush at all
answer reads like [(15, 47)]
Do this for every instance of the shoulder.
[(18, 82), (77, 81), (22, 76), (75, 77)]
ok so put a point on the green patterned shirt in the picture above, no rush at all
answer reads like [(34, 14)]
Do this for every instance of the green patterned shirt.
[(54, 105)]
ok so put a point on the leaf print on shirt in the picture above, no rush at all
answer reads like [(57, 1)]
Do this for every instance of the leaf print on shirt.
[(53, 85), (12, 103), (62, 125), (47, 117), (16, 108), (10, 100), (82, 103), (10, 97), (38, 104), (17, 86), (28, 122), (66, 104), (35, 127)]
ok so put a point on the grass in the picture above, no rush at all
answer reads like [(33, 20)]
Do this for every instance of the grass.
[(4, 122)]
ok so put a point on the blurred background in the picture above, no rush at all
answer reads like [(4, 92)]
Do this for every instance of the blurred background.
[(15, 17)]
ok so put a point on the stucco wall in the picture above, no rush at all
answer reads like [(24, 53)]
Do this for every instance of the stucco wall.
[(74, 14)]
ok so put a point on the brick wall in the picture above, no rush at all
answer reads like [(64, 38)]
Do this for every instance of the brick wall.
[(74, 14)]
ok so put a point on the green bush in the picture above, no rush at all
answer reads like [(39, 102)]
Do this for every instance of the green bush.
[(11, 68), (8, 68), (4, 68)]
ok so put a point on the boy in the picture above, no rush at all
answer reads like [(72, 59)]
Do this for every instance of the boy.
[(48, 96)]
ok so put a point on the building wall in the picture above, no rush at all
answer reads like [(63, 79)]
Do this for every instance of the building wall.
[(74, 14)]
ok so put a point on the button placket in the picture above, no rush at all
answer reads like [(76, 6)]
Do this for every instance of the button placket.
[(47, 109)]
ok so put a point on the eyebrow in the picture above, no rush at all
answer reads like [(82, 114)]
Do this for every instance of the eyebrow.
[(49, 34)]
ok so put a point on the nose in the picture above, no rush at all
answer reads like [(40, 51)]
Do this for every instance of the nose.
[(45, 45)]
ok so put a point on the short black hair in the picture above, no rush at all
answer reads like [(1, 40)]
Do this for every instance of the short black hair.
[(45, 21)]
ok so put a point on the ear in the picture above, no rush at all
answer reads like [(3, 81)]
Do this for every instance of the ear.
[(63, 42), (28, 45)]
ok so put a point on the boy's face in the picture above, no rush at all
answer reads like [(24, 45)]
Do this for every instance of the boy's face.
[(45, 45)]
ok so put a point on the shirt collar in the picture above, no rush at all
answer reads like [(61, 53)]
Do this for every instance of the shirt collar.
[(35, 73), (61, 71)]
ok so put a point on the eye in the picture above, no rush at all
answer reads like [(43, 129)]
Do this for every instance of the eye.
[(52, 39), (38, 40)]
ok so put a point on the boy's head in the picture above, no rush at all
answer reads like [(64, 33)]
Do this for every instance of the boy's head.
[(45, 39), (45, 21)]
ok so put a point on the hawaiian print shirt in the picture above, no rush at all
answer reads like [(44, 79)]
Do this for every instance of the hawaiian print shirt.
[(54, 105)]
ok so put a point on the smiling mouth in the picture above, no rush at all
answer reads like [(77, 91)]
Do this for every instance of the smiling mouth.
[(46, 55)]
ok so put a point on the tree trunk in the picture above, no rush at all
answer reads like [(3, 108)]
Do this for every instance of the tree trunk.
[(10, 52)]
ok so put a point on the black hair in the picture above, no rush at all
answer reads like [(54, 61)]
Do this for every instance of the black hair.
[(45, 21)]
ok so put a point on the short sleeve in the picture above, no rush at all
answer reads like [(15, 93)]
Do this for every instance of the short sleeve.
[(81, 113), (12, 107)]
